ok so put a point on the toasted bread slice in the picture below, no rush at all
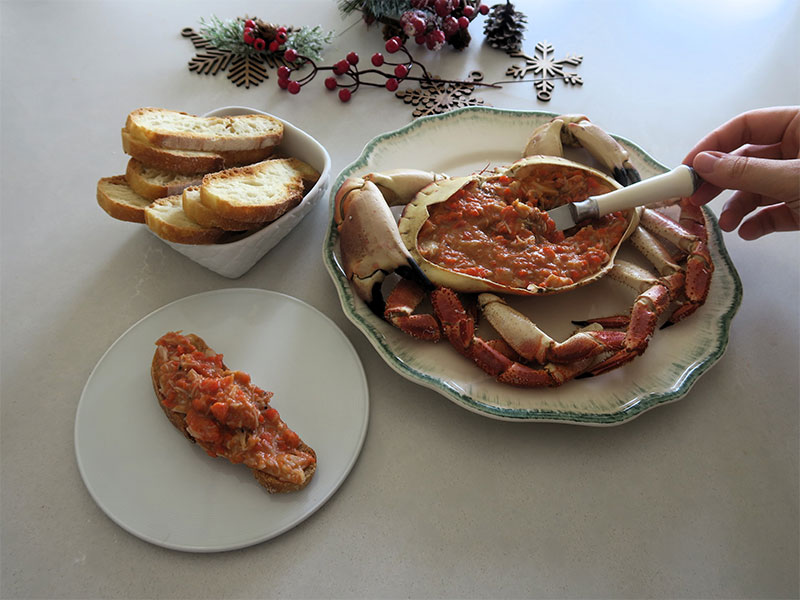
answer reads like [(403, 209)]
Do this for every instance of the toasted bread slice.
[(272, 483), (165, 217), (153, 183), (201, 214), (183, 131), (189, 162), (116, 197), (258, 193)]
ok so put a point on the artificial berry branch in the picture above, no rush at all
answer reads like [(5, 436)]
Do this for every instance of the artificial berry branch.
[(249, 36), (354, 77), (430, 23)]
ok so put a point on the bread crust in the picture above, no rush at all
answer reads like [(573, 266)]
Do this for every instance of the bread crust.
[(201, 214), (272, 484), (183, 131), (165, 217), (152, 183), (131, 209), (189, 162)]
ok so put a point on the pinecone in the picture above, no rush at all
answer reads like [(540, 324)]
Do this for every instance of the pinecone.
[(504, 27), (266, 30)]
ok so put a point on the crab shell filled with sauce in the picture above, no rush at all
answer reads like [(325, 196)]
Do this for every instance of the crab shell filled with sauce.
[(488, 232)]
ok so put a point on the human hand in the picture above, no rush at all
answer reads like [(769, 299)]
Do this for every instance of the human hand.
[(758, 154)]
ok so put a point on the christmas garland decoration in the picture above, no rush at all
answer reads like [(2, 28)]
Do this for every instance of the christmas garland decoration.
[(248, 47), (435, 95)]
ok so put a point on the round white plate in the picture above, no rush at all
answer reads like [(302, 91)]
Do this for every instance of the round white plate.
[(155, 484), (474, 138)]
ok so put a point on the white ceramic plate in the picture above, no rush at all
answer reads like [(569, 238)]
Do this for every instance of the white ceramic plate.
[(152, 482), (474, 138), (234, 259)]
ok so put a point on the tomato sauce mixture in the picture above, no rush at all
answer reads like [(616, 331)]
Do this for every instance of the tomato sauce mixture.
[(225, 413), (500, 230)]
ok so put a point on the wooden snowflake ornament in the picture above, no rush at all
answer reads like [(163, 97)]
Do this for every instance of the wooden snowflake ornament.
[(546, 68), (434, 96)]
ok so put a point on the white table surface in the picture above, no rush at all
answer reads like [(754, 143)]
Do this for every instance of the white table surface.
[(695, 499)]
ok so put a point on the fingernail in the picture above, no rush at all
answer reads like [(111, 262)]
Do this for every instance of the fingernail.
[(704, 162)]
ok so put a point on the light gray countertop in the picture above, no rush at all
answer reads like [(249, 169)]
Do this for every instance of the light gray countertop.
[(698, 498)]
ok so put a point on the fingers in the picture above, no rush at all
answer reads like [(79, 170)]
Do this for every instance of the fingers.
[(762, 126), (778, 217), (779, 179), (737, 208), (708, 192)]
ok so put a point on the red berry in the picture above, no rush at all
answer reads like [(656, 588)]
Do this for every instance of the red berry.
[(450, 25), (274, 46), (483, 9), (248, 36), (463, 22), (344, 95), (330, 83), (283, 83), (250, 24), (284, 72), (352, 58), (435, 39), (393, 45), (413, 22), (419, 3), (420, 39), (280, 37), (442, 7), (290, 55), (293, 87), (401, 71), (377, 59), (468, 11), (340, 68), (259, 44), (281, 29), (392, 84)]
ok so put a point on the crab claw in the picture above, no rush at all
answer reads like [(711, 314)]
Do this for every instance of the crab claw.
[(578, 131), (370, 245)]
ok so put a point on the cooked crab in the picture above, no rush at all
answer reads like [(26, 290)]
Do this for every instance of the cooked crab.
[(488, 233)]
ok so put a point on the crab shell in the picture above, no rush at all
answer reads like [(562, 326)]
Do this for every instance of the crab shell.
[(416, 213)]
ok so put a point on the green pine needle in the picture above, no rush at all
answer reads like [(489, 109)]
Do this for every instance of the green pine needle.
[(380, 9), (309, 41), (229, 36), (226, 35)]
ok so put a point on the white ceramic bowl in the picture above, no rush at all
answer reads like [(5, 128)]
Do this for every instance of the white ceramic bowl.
[(234, 259)]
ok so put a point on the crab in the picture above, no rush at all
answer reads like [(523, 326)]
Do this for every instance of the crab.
[(467, 242)]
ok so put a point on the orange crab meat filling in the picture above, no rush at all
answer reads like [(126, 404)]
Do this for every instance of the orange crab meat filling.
[(225, 413), (500, 231)]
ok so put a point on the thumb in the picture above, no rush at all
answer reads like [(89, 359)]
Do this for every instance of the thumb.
[(776, 179)]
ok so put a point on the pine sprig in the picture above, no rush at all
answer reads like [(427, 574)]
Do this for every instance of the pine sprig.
[(379, 9), (309, 41), (226, 35)]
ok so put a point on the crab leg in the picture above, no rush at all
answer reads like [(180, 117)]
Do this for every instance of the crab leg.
[(459, 328), (400, 307), (694, 242), (532, 344), (655, 296), (577, 131)]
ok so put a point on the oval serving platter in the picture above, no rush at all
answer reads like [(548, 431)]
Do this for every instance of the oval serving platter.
[(675, 359)]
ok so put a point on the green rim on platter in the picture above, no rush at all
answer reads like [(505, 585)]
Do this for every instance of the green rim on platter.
[(641, 400)]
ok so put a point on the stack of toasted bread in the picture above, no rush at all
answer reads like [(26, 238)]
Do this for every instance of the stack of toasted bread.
[(194, 180)]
